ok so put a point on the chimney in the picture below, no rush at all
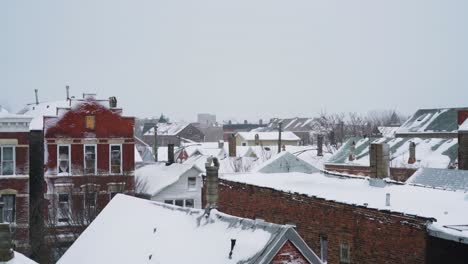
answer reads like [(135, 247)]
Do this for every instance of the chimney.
[(245, 122), (319, 145), (67, 88), (221, 144), (279, 136), (412, 153), (155, 145), (112, 102), (379, 160), (257, 140), (232, 146), (387, 199), (260, 122), (212, 167), (463, 140), (6, 244), (352, 149), (37, 96), (170, 154)]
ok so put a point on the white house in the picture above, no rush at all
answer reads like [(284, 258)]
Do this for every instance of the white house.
[(178, 184)]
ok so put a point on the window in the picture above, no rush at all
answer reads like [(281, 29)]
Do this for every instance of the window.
[(323, 248), (7, 156), (189, 203), (192, 183), (90, 159), (244, 144), (8, 211), (90, 201), (115, 159), (169, 201), (179, 202), (90, 122), (344, 253), (63, 159), (64, 209)]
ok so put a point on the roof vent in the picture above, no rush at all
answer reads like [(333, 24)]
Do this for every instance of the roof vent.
[(387, 199)]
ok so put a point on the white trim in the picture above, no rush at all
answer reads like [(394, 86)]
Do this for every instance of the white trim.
[(69, 158), (95, 157), (110, 159), (1, 159)]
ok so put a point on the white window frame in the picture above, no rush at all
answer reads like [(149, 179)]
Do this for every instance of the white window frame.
[(69, 208), (194, 188), (2, 155), (69, 158), (95, 158), (110, 159)]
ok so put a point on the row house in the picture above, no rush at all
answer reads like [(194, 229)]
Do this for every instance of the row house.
[(89, 158), (14, 176)]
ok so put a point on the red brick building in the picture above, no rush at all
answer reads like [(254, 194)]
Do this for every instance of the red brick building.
[(345, 232), (14, 176), (89, 157)]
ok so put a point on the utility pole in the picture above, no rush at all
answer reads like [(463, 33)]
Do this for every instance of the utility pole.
[(155, 145), (280, 124)]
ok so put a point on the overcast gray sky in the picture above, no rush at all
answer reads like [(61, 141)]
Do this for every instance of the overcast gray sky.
[(238, 58)]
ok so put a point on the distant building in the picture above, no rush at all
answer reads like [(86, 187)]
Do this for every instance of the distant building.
[(173, 133), (206, 119), (266, 139), (230, 129)]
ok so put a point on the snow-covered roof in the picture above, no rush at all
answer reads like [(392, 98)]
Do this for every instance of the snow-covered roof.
[(138, 158), (440, 178), (285, 136), (168, 129), (133, 230), (20, 259), (447, 207), (388, 131), (285, 162), (464, 127), (431, 121), (153, 178), (433, 152)]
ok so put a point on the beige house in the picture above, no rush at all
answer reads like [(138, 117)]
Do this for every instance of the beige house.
[(266, 139)]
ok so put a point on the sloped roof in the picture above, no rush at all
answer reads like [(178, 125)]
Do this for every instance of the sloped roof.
[(20, 259), (447, 207), (431, 121), (286, 162), (152, 232), (433, 152), (441, 178), (153, 178), (464, 127), (168, 129), (285, 136)]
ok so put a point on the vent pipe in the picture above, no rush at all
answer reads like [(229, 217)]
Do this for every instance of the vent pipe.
[(319, 145), (155, 145), (412, 153), (212, 168), (67, 88), (170, 154), (352, 149), (387, 199), (233, 244), (37, 96), (280, 125)]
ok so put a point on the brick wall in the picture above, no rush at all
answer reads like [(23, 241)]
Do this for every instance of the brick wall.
[(398, 174), (289, 254), (373, 236)]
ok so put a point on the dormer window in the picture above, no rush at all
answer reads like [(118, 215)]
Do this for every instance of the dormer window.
[(90, 122)]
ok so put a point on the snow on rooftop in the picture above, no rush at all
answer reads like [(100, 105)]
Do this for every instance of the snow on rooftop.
[(132, 230), (464, 126), (167, 129), (440, 178), (20, 259), (285, 136), (153, 178), (431, 121), (448, 207), (38, 111), (138, 158)]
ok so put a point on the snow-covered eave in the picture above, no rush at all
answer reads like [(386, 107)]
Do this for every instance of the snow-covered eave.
[(425, 133), (345, 164), (445, 233)]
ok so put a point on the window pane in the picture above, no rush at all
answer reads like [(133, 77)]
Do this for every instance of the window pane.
[(7, 153), (8, 211), (63, 159), (169, 201), (63, 207), (7, 168), (189, 203), (192, 183), (90, 159), (115, 159), (179, 202)]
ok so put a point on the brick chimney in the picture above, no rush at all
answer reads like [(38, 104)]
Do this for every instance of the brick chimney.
[(379, 160), (319, 145), (412, 153), (212, 167), (463, 140), (232, 146), (170, 154), (6, 244)]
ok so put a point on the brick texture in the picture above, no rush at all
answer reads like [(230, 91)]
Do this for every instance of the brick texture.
[(289, 254)]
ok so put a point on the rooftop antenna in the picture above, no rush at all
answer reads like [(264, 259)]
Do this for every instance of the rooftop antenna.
[(37, 96)]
